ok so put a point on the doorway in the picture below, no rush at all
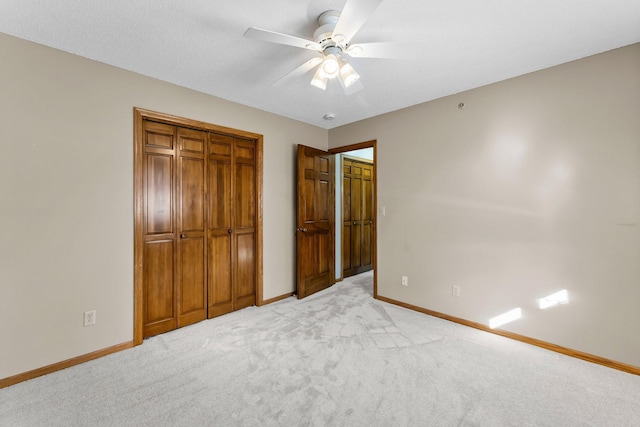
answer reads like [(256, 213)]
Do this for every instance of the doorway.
[(364, 152)]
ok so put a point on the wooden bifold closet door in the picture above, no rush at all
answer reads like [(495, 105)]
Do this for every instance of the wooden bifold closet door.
[(357, 216), (232, 224), (199, 204)]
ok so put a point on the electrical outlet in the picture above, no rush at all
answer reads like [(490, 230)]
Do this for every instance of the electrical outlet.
[(405, 281), (89, 318), (455, 290)]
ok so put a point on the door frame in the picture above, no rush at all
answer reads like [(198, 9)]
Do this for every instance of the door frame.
[(367, 144), (139, 115)]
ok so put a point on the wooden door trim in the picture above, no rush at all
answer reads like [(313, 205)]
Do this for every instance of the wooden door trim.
[(357, 159), (139, 115), (367, 144)]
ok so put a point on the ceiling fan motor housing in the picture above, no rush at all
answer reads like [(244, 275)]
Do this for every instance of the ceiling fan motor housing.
[(323, 35)]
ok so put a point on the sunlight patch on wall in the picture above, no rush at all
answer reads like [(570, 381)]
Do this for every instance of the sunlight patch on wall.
[(560, 172), (551, 188), (560, 297), (505, 318), (509, 151)]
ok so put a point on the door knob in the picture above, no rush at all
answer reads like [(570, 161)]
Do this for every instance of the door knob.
[(182, 236), (355, 223), (229, 231)]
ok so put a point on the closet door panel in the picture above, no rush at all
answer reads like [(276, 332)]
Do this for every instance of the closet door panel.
[(346, 246), (245, 212), (346, 198), (245, 271), (192, 277), (192, 197), (356, 246), (356, 217), (244, 224), (159, 303), (220, 194), (220, 275), (159, 194), (192, 267), (159, 135), (347, 224), (367, 197), (367, 219), (366, 253), (220, 233)]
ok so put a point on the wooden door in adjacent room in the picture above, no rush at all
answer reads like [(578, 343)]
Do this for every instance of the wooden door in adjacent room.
[(315, 233), (357, 216)]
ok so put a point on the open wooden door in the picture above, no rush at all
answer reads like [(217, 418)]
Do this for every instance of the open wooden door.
[(315, 232)]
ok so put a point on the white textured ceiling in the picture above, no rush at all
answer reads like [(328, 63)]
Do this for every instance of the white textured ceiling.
[(199, 44)]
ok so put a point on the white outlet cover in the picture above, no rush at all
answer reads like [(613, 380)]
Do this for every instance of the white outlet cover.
[(89, 318)]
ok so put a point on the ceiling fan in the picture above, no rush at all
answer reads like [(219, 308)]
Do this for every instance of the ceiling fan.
[(332, 40)]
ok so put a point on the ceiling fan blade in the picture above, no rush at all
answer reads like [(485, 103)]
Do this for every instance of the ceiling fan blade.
[(391, 50), (304, 68), (273, 37), (352, 17)]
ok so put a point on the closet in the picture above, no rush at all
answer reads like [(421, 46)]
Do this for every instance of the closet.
[(199, 207), (357, 216)]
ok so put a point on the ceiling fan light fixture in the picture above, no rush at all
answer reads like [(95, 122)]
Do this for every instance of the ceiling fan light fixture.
[(330, 66), (319, 80), (348, 75), (332, 41)]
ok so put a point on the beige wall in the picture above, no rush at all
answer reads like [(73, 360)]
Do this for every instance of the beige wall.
[(532, 187), (66, 197)]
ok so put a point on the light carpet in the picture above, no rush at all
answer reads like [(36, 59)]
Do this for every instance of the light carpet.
[(337, 358)]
